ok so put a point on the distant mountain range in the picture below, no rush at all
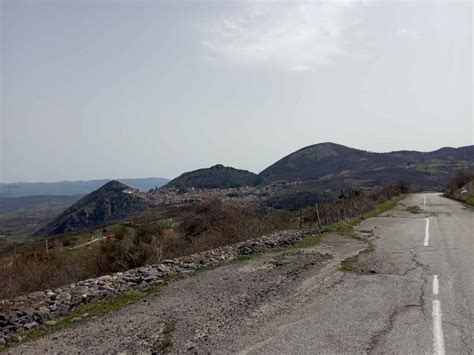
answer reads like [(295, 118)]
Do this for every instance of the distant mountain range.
[(321, 170), (110, 202), (334, 166), (62, 188), (327, 165)]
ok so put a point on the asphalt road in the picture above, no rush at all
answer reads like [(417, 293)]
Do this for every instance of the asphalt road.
[(414, 294)]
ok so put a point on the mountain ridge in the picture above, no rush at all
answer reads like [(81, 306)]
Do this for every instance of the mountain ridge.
[(317, 161), (72, 187)]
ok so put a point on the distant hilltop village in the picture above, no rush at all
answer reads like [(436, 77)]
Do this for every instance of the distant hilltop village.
[(314, 174), (242, 194)]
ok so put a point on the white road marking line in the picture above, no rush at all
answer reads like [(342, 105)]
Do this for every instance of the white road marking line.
[(424, 200), (427, 233), (435, 285), (438, 341)]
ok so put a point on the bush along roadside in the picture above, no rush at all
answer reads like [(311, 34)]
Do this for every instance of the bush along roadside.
[(460, 187)]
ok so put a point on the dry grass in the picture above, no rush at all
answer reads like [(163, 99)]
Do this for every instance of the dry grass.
[(199, 228), (29, 272)]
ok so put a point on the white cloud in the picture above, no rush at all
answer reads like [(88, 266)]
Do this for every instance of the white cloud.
[(408, 32), (300, 68), (294, 35)]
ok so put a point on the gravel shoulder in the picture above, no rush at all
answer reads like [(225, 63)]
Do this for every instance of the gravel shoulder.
[(210, 311)]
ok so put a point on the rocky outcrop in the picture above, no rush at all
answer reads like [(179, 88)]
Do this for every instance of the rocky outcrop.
[(113, 201), (27, 312)]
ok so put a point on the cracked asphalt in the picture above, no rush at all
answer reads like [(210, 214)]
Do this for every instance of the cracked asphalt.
[(387, 308), (298, 301)]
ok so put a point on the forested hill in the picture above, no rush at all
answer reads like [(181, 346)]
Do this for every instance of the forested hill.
[(338, 164)]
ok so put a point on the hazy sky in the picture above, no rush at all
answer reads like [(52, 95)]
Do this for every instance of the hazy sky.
[(103, 89)]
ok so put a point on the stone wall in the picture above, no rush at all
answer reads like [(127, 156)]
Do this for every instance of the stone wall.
[(42, 307)]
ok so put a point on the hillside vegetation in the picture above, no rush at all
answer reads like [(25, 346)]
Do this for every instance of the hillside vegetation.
[(332, 165), (460, 187), (142, 240), (215, 177), (323, 170)]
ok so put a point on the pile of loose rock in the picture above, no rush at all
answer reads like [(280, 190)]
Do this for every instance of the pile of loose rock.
[(26, 312)]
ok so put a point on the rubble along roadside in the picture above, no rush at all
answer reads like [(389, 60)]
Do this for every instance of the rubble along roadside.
[(25, 313)]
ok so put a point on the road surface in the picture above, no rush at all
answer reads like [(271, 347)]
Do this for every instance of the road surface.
[(413, 294), (419, 301)]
